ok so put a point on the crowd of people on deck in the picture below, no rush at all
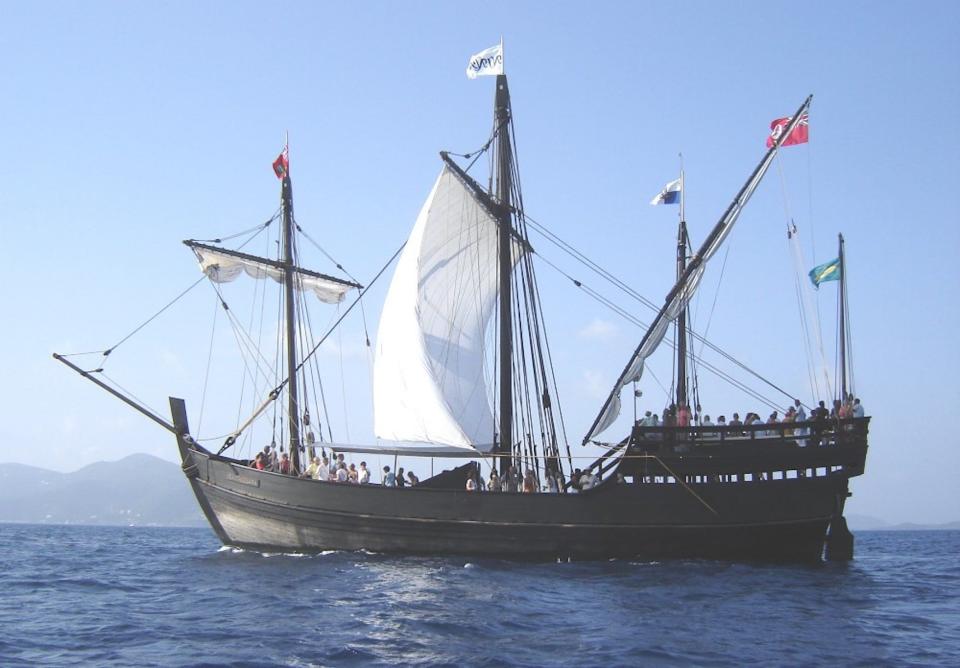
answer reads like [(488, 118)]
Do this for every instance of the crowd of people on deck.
[(337, 470), (511, 481), (331, 469), (682, 416)]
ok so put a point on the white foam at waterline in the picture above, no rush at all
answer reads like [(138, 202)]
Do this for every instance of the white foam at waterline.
[(267, 555), (231, 549)]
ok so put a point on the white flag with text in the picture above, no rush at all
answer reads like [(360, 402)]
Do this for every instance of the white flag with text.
[(486, 63)]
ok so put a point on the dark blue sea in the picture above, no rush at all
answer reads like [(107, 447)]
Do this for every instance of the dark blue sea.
[(147, 596)]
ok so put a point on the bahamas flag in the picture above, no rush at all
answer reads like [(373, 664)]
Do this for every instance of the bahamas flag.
[(828, 271)]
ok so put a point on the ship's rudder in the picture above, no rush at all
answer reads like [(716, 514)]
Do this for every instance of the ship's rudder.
[(839, 541)]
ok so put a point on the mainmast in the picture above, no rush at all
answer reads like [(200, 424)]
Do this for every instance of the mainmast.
[(504, 187), (293, 408), (682, 318)]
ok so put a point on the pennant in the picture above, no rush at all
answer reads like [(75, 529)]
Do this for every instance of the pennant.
[(669, 195), (281, 166), (828, 271), (486, 63), (800, 134)]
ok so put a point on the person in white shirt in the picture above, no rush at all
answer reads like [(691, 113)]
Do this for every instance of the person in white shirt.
[(707, 422), (552, 486), (364, 474)]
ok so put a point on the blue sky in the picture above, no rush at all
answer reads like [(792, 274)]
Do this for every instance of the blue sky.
[(130, 126)]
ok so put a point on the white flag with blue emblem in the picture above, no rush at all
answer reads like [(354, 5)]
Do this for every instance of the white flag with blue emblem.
[(486, 63), (669, 195)]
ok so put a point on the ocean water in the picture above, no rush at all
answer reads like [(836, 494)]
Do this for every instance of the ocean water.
[(148, 596)]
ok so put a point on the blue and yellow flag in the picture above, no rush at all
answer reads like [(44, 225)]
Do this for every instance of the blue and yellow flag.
[(828, 271)]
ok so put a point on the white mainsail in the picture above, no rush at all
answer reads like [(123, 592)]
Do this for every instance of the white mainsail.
[(224, 267), (429, 379)]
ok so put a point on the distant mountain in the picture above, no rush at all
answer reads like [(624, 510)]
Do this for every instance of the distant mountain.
[(868, 523), (911, 526), (136, 490)]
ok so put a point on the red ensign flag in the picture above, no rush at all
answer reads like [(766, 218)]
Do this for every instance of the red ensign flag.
[(281, 166), (800, 134)]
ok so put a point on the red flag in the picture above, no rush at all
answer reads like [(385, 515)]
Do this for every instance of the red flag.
[(800, 134), (281, 166)]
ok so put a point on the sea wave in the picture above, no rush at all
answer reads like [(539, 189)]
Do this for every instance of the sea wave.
[(162, 596)]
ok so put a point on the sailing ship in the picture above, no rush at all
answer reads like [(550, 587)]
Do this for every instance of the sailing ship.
[(464, 298)]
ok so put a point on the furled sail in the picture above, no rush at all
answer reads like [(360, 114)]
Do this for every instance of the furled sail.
[(222, 266), (686, 286), (429, 380)]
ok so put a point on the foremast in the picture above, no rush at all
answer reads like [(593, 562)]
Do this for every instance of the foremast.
[(289, 274)]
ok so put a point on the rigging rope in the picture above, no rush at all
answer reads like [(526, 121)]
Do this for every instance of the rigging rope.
[(206, 375), (806, 315), (244, 341), (807, 343), (707, 365), (325, 253), (343, 384), (846, 304), (276, 392), (153, 317), (127, 392), (800, 281), (610, 278), (257, 228), (480, 151)]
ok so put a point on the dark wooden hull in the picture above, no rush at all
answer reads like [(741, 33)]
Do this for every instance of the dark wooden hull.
[(782, 520)]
